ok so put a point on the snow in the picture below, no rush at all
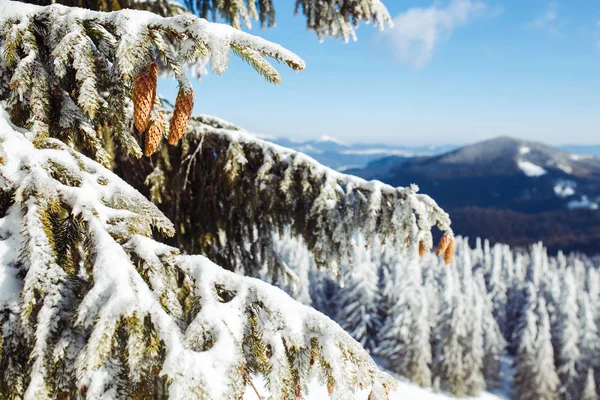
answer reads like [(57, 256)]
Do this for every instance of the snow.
[(118, 291), (565, 188), (406, 391), (524, 150), (530, 169), (583, 203), (565, 168), (218, 37), (579, 157), (331, 139)]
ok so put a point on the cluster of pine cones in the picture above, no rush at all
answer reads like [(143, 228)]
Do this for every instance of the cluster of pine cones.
[(144, 97), (446, 247)]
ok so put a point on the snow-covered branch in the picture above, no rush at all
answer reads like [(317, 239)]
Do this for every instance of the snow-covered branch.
[(68, 72), (230, 216), (89, 302)]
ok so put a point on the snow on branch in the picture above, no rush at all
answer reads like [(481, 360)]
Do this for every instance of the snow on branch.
[(336, 18), (69, 72), (91, 305), (339, 18), (230, 216)]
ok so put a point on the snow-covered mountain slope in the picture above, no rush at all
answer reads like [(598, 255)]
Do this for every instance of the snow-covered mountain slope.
[(502, 172)]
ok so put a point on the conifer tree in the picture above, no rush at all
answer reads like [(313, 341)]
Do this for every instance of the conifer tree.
[(496, 284), (567, 351), (94, 305), (534, 374), (404, 337), (589, 345), (515, 304), (589, 390), (473, 310), (449, 337), (493, 340), (357, 305), (215, 166)]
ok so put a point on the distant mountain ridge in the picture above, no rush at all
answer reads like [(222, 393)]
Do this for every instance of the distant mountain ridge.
[(342, 155), (480, 182)]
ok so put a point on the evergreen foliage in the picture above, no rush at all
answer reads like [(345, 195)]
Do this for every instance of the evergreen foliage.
[(252, 189), (336, 18), (71, 73), (468, 347), (535, 375), (404, 338), (357, 304), (90, 303)]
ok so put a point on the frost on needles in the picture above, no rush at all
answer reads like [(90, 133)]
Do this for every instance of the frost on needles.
[(337, 18), (237, 190), (91, 302)]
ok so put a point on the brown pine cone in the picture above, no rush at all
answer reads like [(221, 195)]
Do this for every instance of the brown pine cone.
[(422, 249), (449, 253), (181, 115), (144, 93), (444, 243), (154, 135)]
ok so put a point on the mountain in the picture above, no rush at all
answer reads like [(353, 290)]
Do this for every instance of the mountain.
[(341, 155), (508, 190)]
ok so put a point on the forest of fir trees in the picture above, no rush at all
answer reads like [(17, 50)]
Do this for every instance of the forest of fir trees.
[(101, 295), (493, 316)]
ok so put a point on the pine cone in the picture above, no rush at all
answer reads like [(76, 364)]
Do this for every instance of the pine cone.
[(444, 243), (181, 115), (144, 93), (154, 135), (422, 249), (330, 388), (449, 253)]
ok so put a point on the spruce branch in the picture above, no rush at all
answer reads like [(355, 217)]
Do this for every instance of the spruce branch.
[(85, 64), (118, 312), (231, 216)]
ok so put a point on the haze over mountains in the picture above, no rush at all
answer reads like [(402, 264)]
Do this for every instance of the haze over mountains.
[(341, 155), (504, 189)]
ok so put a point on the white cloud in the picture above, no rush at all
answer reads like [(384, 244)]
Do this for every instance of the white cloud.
[(547, 21), (418, 31)]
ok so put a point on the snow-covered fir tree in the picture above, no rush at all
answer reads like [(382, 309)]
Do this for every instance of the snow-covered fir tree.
[(92, 303), (589, 391), (493, 341), (357, 305), (534, 374), (497, 284), (404, 339), (589, 341), (449, 337), (568, 331), (514, 266), (472, 308)]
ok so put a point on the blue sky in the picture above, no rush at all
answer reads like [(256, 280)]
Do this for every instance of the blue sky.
[(450, 71)]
